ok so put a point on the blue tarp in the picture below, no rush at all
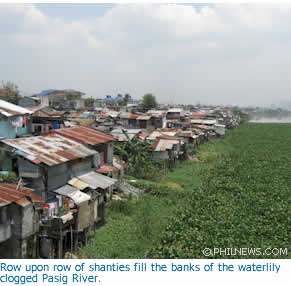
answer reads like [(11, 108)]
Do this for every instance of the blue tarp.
[(44, 92), (55, 124)]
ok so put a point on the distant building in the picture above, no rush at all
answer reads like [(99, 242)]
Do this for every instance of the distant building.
[(175, 113), (118, 98), (57, 98), (29, 101)]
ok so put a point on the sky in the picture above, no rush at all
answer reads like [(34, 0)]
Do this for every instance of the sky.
[(188, 54)]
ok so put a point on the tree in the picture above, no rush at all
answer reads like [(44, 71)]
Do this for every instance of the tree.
[(89, 101), (12, 92), (124, 101), (137, 154), (10, 86), (71, 96), (148, 102)]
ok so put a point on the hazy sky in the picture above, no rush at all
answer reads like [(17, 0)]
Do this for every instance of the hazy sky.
[(229, 54)]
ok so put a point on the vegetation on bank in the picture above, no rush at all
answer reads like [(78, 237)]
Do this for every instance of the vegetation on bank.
[(138, 155), (235, 194)]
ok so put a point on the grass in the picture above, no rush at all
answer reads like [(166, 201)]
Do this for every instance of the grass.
[(131, 228), (236, 195)]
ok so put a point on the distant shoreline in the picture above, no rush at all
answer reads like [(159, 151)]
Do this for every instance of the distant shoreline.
[(271, 120)]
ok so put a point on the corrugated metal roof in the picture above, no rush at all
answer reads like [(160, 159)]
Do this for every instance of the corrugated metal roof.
[(121, 136), (78, 184), (50, 113), (198, 114), (50, 149), (9, 194), (95, 180), (209, 122), (125, 115), (196, 121), (23, 202), (85, 135), (143, 136), (8, 109), (164, 144), (157, 133), (175, 110), (76, 114), (133, 116), (144, 117), (75, 194)]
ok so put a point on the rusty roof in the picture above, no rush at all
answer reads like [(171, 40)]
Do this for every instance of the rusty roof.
[(86, 108), (105, 169), (48, 113), (50, 149), (85, 135), (134, 116), (9, 194), (76, 114), (5, 92)]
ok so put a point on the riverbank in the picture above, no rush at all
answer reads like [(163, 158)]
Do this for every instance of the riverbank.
[(234, 193)]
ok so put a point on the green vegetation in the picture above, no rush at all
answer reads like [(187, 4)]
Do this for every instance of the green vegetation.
[(148, 102), (71, 96), (235, 195), (89, 101), (137, 154), (10, 178), (124, 101), (13, 90)]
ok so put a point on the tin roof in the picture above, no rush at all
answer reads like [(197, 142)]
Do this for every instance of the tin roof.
[(175, 110), (75, 194), (144, 117), (95, 180), (9, 194), (209, 121), (163, 144), (76, 114), (157, 133), (50, 149), (8, 109), (121, 136), (198, 114), (78, 184), (48, 113), (196, 121), (125, 115), (143, 136), (85, 135)]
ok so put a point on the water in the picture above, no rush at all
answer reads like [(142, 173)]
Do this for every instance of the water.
[(271, 120)]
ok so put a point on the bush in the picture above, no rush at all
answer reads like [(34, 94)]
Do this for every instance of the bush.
[(10, 178), (122, 207)]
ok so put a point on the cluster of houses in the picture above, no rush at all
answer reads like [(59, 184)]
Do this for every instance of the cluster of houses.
[(61, 148)]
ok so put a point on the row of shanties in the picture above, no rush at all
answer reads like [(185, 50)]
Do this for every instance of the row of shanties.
[(68, 167), (69, 172)]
